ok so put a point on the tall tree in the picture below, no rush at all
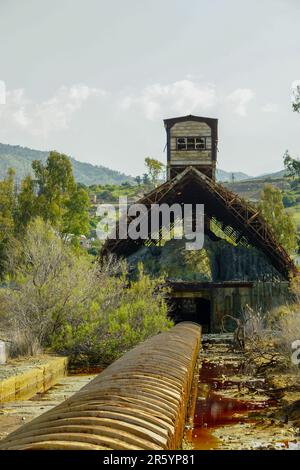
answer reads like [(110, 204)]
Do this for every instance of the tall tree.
[(75, 219), (272, 209), (7, 210), (26, 203), (55, 182), (146, 179), (292, 165), (155, 169), (138, 180), (54, 195), (7, 205), (296, 98)]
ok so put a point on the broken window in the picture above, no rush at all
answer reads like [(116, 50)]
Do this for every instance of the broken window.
[(200, 143), (181, 143), (191, 143)]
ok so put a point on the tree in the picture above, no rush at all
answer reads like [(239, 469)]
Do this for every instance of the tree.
[(26, 204), (272, 209), (292, 165), (62, 301), (154, 168), (296, 98), (138, 180), (75, 219), (7, 205), (121, 317), (54, 195), (146, 179), (7, 211), (55, 182), (50, 281), (289, 200)]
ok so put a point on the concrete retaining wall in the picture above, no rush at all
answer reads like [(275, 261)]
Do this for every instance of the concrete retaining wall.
[(36, 379)]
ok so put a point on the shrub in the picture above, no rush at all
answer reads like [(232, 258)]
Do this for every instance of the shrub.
[(47, 281), (59, 300), (268, 338), (118, 320), (289, 200)]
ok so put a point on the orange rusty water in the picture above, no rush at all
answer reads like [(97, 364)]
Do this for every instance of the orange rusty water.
[(214, 410)]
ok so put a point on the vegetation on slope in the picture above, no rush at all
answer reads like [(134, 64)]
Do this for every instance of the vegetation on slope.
[(58, 299), (54, 296), (21, 158)]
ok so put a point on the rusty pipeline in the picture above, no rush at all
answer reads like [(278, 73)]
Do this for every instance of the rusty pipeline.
[(141, 401)]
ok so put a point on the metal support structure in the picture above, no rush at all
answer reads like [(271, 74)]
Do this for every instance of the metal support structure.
[(237, 218)]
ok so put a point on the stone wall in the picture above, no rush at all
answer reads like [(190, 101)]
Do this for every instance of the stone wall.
[(263, 297)]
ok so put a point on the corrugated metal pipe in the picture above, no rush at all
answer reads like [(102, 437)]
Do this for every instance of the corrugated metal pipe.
[(141, 401)]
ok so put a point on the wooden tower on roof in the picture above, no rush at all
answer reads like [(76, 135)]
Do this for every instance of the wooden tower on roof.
[(191, 141)]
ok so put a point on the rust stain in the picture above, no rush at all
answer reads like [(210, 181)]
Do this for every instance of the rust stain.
[(139, 402)]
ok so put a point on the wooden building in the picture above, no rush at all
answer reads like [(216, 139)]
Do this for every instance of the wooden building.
[(191, 141), (191, 162)]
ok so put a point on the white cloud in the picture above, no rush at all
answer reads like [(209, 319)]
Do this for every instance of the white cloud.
[(2, 92), (53, 114), (181, 97), (270, 108), (185, 97), (295, 84), (240, 98)]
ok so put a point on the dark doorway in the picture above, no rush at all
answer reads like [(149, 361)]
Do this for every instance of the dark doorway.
[(192, 309)]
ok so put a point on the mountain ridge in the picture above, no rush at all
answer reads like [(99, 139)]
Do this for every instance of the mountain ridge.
[(20, 158)]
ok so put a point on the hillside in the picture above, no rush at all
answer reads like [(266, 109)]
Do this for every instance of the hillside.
[(222, 175), (20, 158), (275, 175), (250, 189)]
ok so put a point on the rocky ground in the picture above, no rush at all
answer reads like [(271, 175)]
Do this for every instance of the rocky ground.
[(236, 410)]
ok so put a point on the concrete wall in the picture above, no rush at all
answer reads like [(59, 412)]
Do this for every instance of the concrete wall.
[(263, 296), (24, 384)]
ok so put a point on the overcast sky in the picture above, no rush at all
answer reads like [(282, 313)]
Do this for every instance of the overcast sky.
[(95, 78)]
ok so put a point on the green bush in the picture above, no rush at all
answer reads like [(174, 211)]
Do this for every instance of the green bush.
[(289, 200), (58, 299), (120, 317)]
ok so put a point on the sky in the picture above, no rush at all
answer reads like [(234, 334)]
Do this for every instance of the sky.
[(94, 79)]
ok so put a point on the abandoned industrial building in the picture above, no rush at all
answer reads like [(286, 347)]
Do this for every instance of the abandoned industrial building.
[(244, 264)]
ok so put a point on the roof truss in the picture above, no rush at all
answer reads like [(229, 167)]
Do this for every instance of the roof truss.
[(236, 217)]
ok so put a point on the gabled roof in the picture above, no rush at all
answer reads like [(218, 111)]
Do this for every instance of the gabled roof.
[(237, 218), (190, 117)]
